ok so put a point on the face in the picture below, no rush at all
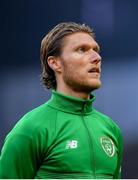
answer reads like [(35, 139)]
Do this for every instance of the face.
[(80, 63)]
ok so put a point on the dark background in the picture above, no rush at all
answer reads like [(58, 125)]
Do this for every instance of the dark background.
[(23, 24)]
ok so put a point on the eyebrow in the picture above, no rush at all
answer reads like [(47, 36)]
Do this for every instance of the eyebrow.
[(96, 47)]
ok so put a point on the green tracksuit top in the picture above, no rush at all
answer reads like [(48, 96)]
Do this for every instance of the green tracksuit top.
[(63, 138)]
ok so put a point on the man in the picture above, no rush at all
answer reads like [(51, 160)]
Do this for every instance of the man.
[(65, 137)]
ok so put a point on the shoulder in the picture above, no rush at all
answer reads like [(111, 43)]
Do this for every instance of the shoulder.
[(34, 129), (34, 122)]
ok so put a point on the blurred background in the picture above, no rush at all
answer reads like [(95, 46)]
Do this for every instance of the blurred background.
[(23, 24)]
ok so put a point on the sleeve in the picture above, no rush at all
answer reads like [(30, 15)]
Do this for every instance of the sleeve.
[(19, 157), (120, 156)]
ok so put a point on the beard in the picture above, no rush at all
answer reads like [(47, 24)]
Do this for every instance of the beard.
[(79, 83)]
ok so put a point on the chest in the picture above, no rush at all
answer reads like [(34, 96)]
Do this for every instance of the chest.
[(82, 145)]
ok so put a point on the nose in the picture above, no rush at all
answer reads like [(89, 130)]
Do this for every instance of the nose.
[(95, 58)]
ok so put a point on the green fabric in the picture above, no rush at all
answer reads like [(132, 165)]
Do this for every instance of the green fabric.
[(63, 138)]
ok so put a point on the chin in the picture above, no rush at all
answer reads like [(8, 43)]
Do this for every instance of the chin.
[(95, 86), (89, 88)]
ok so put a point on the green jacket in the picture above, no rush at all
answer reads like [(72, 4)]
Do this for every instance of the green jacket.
[(63, 138)]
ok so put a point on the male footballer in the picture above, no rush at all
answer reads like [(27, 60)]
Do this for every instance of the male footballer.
[(66, 137)]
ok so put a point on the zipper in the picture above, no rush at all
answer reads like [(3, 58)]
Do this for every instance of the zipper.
[(90, 142)]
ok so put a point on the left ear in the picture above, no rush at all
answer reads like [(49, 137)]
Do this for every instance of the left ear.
[(54, 63)]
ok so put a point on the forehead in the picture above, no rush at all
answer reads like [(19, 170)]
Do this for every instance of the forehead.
[(78, 39)]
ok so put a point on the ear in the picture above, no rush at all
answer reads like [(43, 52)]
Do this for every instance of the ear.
[(54, 63)]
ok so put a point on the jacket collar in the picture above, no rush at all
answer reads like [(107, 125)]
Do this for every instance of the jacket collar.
[(71, 104)]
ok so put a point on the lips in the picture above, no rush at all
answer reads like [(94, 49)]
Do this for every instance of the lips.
[(94, 70)]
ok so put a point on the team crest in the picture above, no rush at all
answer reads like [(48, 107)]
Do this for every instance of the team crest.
[(108, 146)]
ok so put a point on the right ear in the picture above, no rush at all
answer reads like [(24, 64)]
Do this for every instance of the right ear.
[(54, 63)]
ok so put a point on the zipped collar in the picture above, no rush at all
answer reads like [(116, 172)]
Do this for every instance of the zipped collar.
[(71, 104)]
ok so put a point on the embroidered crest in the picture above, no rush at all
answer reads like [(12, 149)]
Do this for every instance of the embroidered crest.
[(108, 146)]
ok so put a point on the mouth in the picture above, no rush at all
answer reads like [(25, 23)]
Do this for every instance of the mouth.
[(94, 70)]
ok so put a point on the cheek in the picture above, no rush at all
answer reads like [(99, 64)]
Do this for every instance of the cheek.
[(77, 68), (73, 61)]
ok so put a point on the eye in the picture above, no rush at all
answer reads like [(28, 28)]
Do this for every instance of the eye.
[(97, 49), (81, 49)]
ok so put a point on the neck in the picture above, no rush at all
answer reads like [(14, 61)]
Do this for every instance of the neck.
[(70, 92)]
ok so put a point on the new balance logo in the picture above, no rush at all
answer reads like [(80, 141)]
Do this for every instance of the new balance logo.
[(71, 144)]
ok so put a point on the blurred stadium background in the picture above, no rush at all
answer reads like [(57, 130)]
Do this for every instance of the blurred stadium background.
[(23, 23)]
